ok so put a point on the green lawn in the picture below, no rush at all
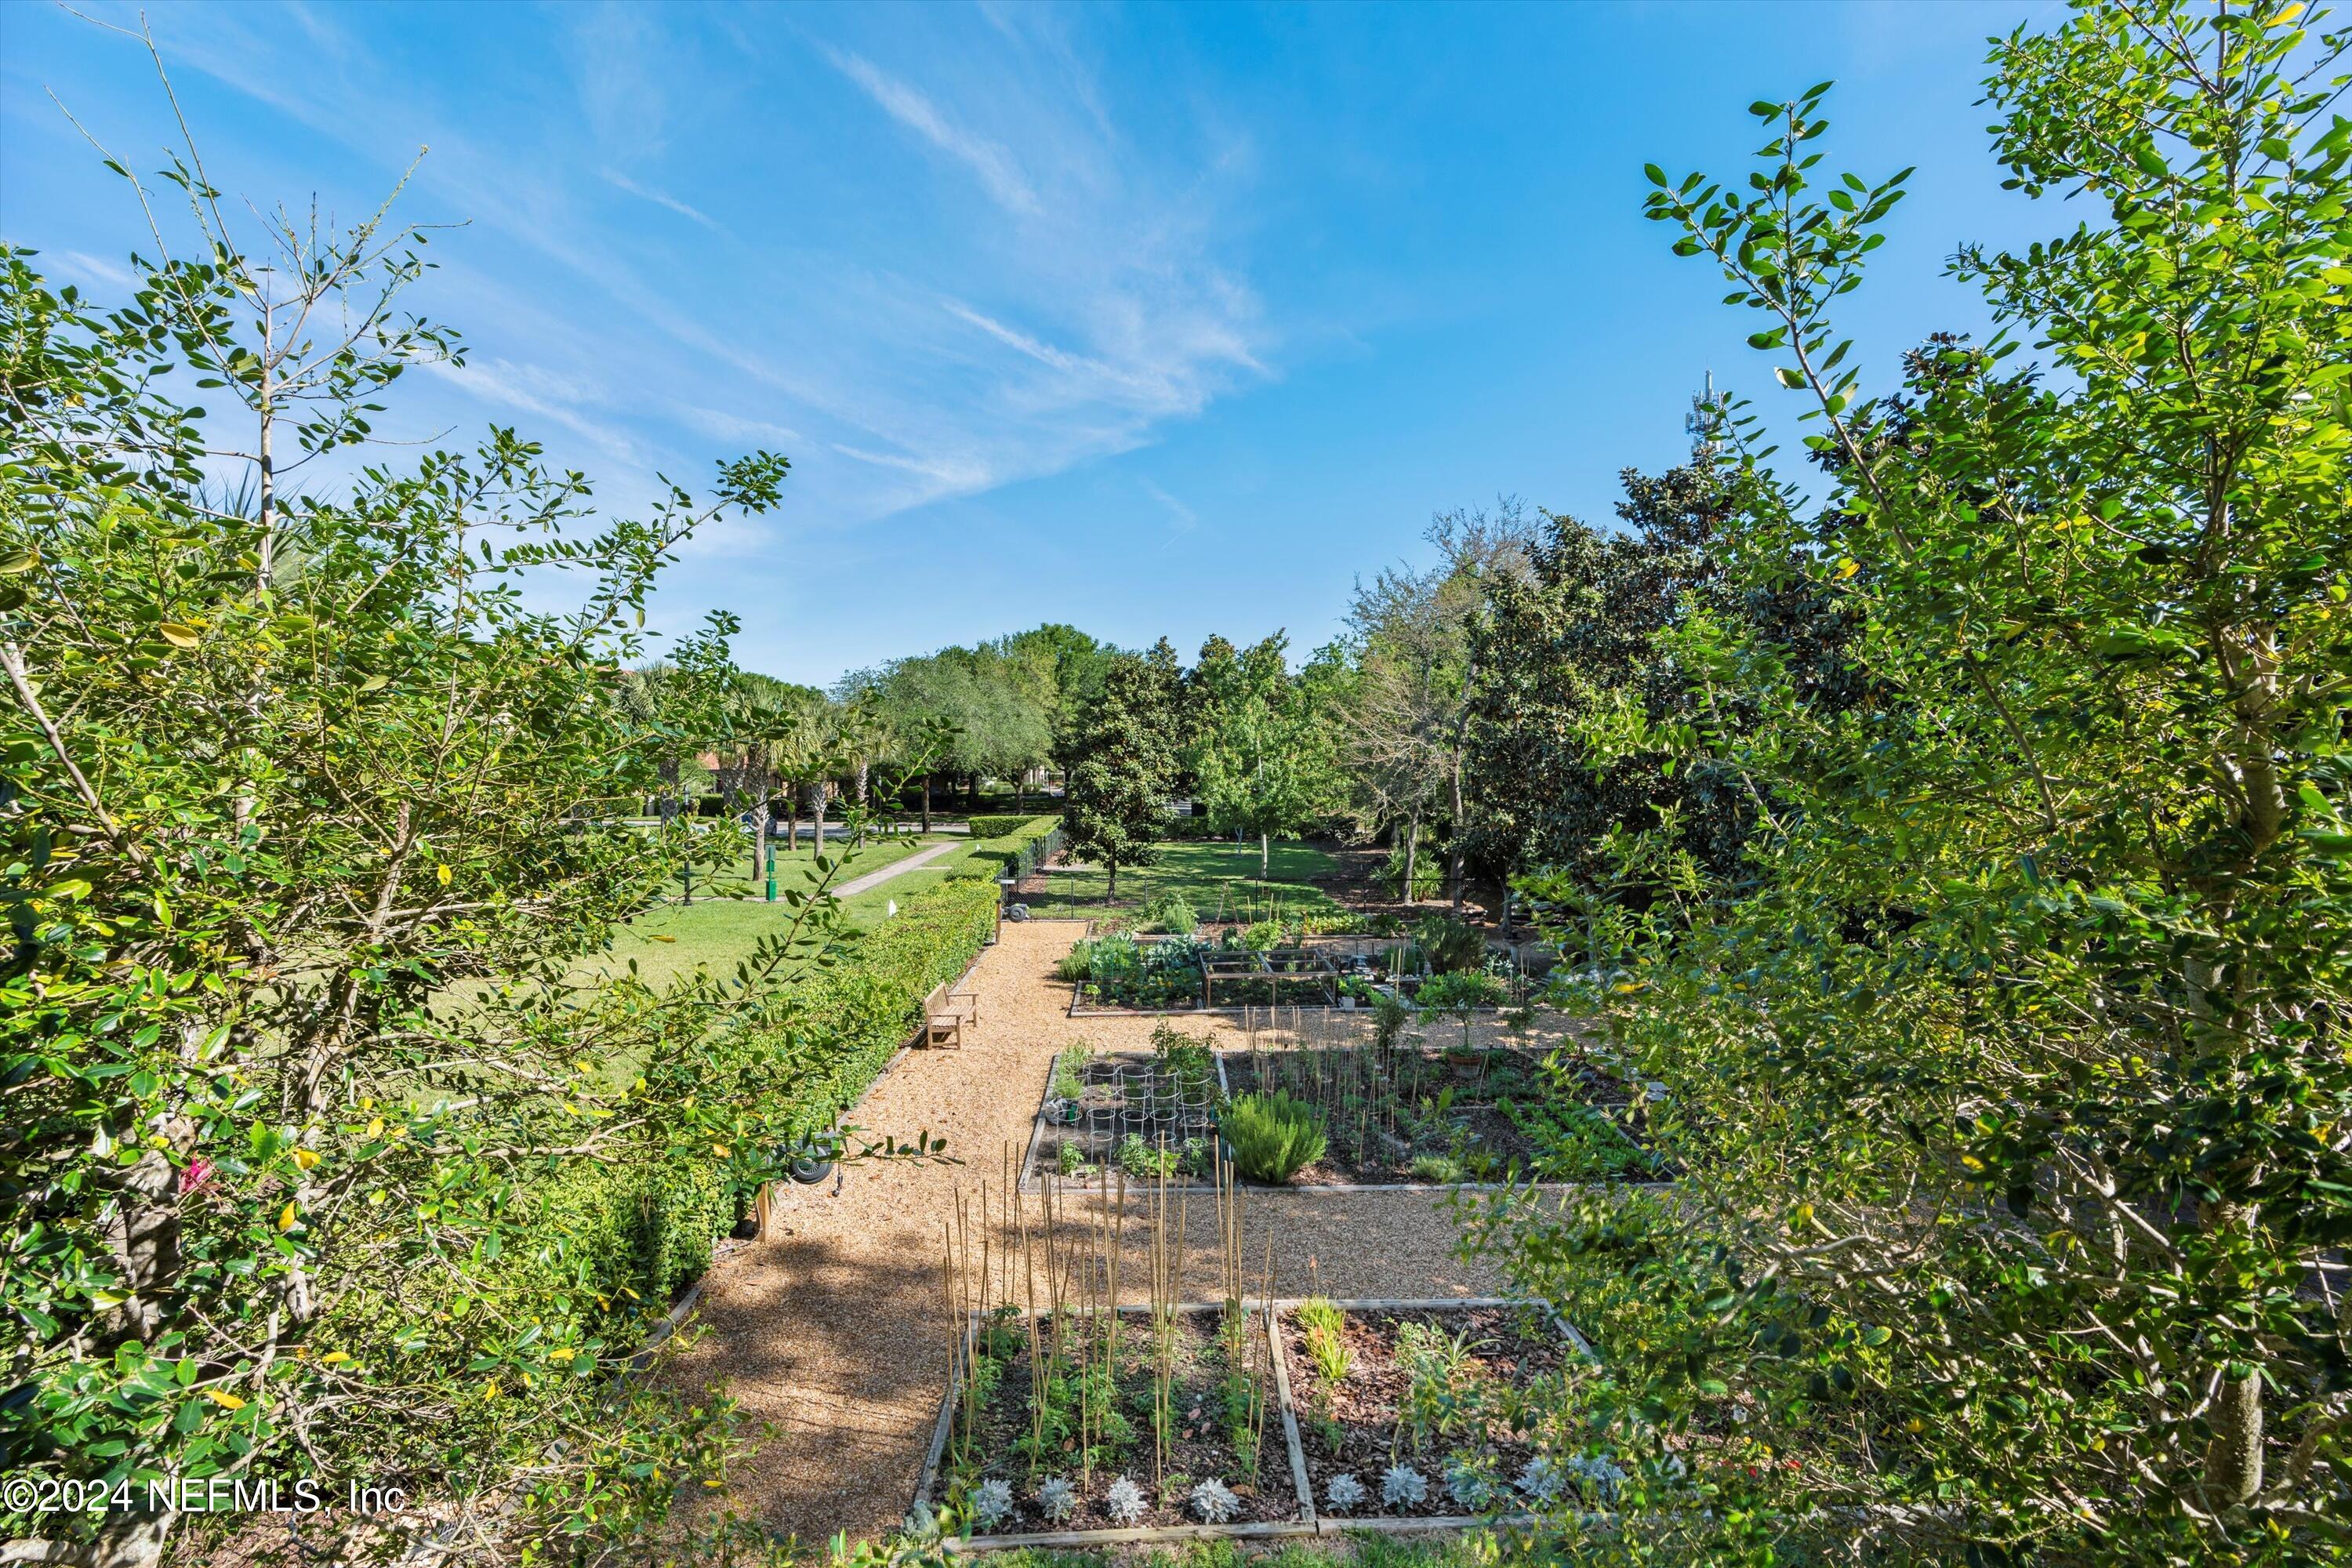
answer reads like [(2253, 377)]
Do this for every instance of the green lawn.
[(796, 868), (671, 941), (1221, 880)]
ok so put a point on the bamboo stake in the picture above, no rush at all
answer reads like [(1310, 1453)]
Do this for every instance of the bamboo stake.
[(1261, 1385)]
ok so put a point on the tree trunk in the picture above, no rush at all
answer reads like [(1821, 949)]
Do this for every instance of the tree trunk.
[(1453, 788), (861, 802), (1453, 844), (763, 803), (1412, 850), (1264, 856), (1111, 890), (1021, 792), (927, 803), (817, 820), (2233, 1455)]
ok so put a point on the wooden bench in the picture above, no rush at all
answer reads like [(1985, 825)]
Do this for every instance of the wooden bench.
[(945, 1012)]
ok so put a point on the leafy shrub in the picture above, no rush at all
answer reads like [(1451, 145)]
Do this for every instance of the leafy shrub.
[(1459, 995), (1461, 990), (1335, 922), (1191, 1059), (1070, 1071), (1015, 852), (985, 826), (1449, 946), (1441, 1168), (1578, 1142), (649, 1227), (1425, 875), (1171, 911), (1274, 1137), (1148, 1161)]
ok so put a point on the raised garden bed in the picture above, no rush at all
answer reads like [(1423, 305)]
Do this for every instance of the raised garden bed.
[(1305, 1428), (1430, 1116), (1403, 1117), (1151, 1117), (1090, 1421), (1422, 1409), (1118, 973)]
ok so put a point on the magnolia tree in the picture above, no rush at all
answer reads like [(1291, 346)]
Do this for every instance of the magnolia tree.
[(1119, 764), (310, 816), (2008, 1081)]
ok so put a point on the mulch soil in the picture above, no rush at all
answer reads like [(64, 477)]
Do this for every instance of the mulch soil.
[(1202, 1446), (1352, 1425)]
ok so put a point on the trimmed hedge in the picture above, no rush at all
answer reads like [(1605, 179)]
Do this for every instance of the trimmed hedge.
[(1014, 854), (872, 999), (992, 825), (649, 1226)]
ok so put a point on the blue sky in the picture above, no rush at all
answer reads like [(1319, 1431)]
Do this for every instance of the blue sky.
[(1157, 318)]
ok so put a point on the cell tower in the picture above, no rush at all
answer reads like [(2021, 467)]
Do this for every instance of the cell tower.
[(1705, 421)]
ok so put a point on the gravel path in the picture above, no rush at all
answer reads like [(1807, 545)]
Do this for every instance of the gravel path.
[(833, 1327)]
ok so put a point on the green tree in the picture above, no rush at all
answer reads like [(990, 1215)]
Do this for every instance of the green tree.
[(1263, 751), (1116, 767), (1409, 726), (311, 813), (2010, 1090)]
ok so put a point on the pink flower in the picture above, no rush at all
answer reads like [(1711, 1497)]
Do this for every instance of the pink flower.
[(198, 1172)]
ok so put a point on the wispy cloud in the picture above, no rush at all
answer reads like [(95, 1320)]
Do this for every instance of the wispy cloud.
[(1183, 519), (956, 476), (1044, 354), (901, 354), (727, 427), (615, 52), (986, 159), (619, 181), (543, 393), (94, 270)]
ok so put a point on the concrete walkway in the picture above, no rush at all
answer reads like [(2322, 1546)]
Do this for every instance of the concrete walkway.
[(857, 885)]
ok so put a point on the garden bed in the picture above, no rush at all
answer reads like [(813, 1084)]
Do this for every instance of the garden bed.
[(1414, 1410), (1151, 1117), (1437, 1116), (1230, 1392), (1140, 1416), (1405, 1117), (1119, 972)]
